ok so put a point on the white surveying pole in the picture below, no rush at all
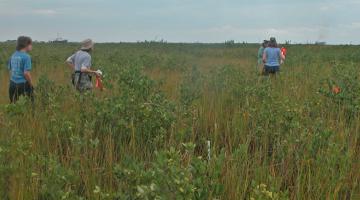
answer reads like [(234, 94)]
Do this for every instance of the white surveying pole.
[(209, 149)]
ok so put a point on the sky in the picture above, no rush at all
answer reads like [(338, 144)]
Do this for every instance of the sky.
[(300, 21)]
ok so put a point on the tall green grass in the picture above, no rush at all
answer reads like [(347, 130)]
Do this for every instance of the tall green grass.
[(145, 136)]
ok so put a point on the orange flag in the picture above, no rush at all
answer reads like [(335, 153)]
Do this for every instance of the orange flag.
[(99, 83), (336, 89), (283, 51)]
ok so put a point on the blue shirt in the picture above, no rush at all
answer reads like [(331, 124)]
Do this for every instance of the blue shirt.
[(80, 59), (272, 56), (19, 63)]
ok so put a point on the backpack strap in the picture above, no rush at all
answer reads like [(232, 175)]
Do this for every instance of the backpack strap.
[(79, 80)]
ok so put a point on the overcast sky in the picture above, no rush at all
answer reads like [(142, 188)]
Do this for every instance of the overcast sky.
[(334, 21)]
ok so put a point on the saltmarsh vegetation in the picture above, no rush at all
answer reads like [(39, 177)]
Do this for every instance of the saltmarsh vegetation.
[(145, 137)]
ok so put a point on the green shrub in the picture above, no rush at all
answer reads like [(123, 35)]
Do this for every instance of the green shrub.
[(172, 175)]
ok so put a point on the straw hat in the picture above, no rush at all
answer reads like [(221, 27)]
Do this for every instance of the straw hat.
[(87, 44)]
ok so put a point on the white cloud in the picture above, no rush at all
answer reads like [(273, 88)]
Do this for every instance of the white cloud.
[(350, 26), (36, 12), (355, 25), (325, 8), (44, 12)]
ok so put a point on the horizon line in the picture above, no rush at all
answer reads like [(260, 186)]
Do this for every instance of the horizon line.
[(228, 42)]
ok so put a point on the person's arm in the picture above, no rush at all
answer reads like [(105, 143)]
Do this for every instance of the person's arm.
[(88, 70), (27, 69), (86, 67), (264, 56), (70, 62), (28, 78), (282, 57)]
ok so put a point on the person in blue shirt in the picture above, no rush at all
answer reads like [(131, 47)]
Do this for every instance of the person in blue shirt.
[(272, 57), (20, 66)]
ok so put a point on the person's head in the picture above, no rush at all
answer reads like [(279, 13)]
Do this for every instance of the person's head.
[(273, 42), (265, 43), (24, 43), (87, 45)]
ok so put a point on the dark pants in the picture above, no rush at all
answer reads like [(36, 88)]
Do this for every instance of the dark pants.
[(271, 69), (18, 89)]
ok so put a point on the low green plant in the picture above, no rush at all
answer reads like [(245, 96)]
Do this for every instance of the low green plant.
[(172, 175)]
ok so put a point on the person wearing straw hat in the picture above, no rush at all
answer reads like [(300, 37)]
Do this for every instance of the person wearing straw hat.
[(80, 63)]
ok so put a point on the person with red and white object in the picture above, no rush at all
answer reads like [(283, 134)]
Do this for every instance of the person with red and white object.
[(99, 83), (80, 62), (273, 57), (283, 51)]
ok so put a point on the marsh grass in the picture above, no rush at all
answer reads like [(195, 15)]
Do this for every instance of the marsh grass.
[(283, 137)]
